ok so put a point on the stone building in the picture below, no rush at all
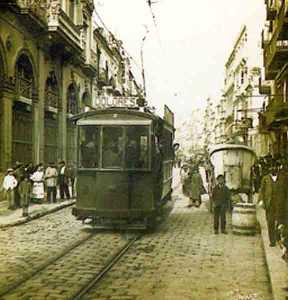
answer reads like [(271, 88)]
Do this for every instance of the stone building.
[(209, 128), (274, 120), (54, 63), (241, 100)]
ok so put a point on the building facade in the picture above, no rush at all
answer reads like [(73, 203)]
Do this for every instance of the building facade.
[(54, 63), (274, 120), (238, 110)]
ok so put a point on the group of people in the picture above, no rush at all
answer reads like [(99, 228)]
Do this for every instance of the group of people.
[(25, 183)]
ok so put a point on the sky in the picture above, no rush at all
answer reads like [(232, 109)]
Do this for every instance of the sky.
[(185, 53)]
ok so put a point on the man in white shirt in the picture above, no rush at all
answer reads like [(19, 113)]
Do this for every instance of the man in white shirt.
[(9, 184), (51, 182)]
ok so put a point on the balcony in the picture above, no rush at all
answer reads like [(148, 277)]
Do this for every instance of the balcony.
[(90, 66), (271, 12), (62, 29), (33, 13), (275, 114), (276, 50)]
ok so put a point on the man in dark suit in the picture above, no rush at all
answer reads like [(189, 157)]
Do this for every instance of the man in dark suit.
[(270, 195), (220, 200), (63, 180)]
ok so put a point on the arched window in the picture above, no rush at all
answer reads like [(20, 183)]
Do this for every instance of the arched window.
[(51, 91), (86, 99), (72, 97), (24, 76)]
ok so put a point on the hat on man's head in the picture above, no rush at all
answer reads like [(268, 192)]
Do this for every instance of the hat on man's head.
[(10, 170)]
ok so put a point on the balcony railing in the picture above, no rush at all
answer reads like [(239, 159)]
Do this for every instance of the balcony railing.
[(25, 87), (272, 46)]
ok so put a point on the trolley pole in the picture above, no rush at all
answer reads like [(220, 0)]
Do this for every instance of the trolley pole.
[(142, 62)]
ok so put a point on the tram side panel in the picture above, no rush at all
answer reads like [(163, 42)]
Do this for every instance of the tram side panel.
[(113, 194)]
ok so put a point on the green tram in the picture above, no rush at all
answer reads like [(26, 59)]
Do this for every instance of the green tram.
[(124, 168)]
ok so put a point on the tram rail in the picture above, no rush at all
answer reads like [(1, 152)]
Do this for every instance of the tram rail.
[(51, 265), (110, 264), (42, 267)]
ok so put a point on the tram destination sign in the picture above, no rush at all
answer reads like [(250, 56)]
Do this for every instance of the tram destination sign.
[(112, 101)]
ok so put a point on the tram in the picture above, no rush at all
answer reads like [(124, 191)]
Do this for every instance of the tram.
[(124, 168)]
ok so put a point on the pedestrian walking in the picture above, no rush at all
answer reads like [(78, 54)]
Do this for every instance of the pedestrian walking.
[(268, 195), (25, 188), (63, 179), (38, 185), (196, 188), (184, 178), (51, 175), (9, 185), (220, 198)]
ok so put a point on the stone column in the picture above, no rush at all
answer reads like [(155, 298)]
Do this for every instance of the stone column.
[(62, 122), (6, 102)]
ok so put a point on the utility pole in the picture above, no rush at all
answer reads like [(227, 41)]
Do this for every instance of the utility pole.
[(142, 62)]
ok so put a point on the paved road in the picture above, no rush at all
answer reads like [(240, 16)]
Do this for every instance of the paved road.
[(185, 260), (25, 247)]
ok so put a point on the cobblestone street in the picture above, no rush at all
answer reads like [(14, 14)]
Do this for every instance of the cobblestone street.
[(182, 259), (25, 247), (185, 260)]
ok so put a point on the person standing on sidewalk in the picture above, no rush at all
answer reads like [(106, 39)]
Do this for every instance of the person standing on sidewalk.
[(268, 197), (221, 200), (51, 182), (9, 185), (38, 184), (63, 179), (25, 188)]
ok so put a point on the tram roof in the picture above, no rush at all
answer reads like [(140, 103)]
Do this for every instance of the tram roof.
[(127, 111)]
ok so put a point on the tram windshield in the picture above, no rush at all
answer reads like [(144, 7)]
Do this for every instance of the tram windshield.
[(89, 147), (111, 147)]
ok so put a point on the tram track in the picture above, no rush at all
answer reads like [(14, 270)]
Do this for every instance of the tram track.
[(42, 267), (73, 272), (110, 264)]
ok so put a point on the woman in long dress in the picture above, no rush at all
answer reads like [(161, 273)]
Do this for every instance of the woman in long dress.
[(38, 185)]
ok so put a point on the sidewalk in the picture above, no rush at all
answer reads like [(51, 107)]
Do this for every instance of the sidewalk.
[(277, 268), (14, 217)]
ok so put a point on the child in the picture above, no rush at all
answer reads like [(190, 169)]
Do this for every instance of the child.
[(9, 184)]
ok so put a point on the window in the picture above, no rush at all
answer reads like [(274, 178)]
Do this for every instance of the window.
[(112, 150), (137, 139), (89, 147), (121, 147)]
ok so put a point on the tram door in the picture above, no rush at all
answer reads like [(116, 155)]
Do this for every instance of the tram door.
[(22, 133)]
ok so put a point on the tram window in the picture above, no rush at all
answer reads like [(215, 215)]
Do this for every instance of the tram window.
[(89, 147), (112, 147), (137, 147)]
